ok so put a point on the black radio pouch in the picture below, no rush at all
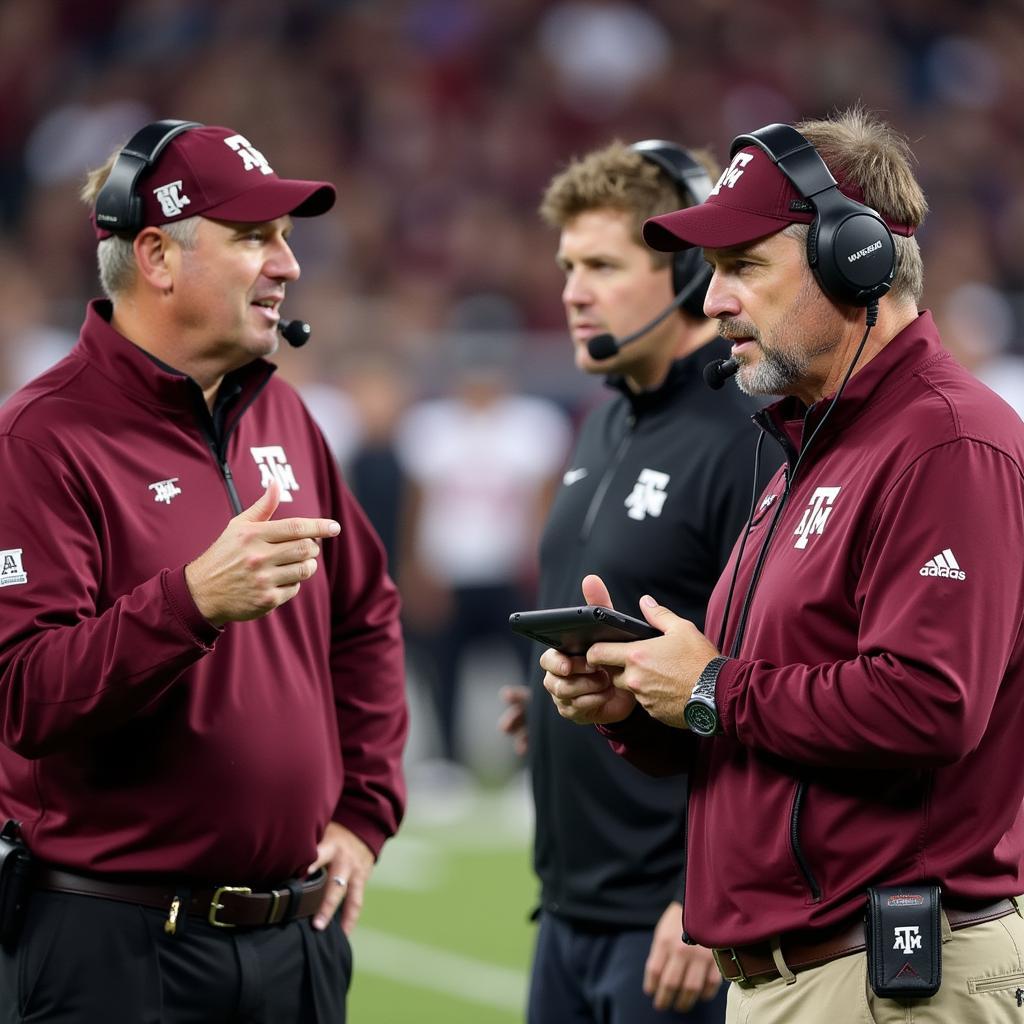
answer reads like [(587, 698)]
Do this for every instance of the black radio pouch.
[(904, 939), (15, 883)]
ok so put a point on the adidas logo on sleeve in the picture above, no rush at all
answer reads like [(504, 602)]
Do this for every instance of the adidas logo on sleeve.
[(943, 564)]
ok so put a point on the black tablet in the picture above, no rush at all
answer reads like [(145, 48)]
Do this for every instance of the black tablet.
[(573, 630)]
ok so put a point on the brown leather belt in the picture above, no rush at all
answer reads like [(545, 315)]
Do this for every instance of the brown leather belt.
[(747, 964), (225, 906)]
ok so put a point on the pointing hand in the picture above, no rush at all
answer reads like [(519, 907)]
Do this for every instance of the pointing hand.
[(257, 563)]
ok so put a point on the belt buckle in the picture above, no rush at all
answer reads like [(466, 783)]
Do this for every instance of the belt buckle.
[(730, 952), (216, 905)]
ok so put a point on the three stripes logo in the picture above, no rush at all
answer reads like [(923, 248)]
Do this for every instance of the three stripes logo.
[(945, 565)]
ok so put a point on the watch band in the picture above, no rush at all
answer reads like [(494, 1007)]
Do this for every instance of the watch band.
[(701, 711)]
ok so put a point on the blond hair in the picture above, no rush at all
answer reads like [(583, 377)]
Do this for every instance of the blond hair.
[(617, 177)]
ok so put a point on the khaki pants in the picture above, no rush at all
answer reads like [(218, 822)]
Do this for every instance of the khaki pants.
[(982, 983)]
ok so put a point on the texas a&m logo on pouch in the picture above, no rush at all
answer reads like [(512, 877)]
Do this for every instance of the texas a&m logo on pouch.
[(908, 938), (274, 465), (815, 516)]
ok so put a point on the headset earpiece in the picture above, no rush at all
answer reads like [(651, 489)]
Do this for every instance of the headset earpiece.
[(118, 206), (850, 248), (691, 273)]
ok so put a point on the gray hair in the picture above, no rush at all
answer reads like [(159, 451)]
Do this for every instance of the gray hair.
[(116, 256)]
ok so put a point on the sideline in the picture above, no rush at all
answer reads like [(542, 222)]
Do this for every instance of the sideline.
[(428, 967)]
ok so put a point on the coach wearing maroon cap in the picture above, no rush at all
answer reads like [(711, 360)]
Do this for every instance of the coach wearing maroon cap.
[(856, 832), (201, 676)]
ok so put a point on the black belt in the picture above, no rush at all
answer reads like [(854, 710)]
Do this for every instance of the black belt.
[(801, 952), (225, 906)]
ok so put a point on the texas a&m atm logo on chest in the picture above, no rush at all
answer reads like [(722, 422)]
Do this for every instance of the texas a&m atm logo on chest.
[(816, 515), (274, 465)]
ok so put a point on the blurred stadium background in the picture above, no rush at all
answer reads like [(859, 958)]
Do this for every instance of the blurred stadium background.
[(440, 121)]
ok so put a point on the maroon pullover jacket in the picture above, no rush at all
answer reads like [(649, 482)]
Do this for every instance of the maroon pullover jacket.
[(135, 736), (874, 711)]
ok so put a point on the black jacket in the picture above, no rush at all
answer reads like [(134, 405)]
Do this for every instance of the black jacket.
[(657, 490)]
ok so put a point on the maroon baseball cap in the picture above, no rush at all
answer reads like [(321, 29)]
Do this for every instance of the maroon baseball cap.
[(752, 199), (216, 172)]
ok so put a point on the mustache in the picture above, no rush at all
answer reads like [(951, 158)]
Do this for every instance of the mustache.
[(733, 329)]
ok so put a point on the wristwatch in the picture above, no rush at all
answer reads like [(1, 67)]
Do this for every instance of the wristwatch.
[(701, 712)]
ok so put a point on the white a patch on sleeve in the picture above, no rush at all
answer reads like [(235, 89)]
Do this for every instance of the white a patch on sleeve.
[(12, 572)]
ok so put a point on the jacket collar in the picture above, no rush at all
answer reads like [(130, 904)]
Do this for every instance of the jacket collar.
[(144, 377)]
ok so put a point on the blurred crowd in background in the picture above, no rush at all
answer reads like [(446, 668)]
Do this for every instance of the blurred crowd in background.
[(439, 367)]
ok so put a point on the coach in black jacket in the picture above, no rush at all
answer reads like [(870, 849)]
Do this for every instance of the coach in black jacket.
[(657, 490)]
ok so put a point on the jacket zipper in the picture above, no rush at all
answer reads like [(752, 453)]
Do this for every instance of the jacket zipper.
[(793, 460), (606, 481), (794, 842), (229, 482), (219, 446), (221, 460)]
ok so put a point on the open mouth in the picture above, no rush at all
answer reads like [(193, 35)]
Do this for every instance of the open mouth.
[(268, 308)]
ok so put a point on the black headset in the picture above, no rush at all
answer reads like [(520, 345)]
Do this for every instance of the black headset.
[(849, 247), (691, 274), (118, 208)]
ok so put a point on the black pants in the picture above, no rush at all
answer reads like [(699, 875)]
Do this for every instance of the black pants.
[(595, 976), (85, 960)]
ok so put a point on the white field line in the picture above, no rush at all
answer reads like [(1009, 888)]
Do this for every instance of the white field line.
[(413, 963)]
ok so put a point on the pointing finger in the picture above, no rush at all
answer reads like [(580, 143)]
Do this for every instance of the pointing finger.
[(280, 530)]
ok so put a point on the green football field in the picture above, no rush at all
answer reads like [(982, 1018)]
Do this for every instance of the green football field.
[(445, 934)]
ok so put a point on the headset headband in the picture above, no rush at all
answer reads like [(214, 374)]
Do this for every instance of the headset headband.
[(849, 246), (793, 155), (690, 273), (118, 208)]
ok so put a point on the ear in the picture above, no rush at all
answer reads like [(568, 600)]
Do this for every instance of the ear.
[(156, 256)]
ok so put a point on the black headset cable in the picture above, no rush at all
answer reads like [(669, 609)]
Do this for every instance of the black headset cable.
[(755, 492), (871, 318)]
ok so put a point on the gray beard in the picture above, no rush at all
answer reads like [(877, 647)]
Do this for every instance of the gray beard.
[(775, 373)]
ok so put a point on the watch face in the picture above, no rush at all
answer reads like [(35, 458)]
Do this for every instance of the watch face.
[(701, 719)]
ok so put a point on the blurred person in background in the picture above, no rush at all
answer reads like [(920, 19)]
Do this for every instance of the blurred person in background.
[(481, 464), (657, 490), (28, 344), (379, 388), (201, 667), (977, 325), (856, 825)]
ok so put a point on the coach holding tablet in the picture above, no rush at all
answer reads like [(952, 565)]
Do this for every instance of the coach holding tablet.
[(855, 711)]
